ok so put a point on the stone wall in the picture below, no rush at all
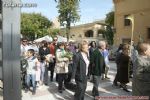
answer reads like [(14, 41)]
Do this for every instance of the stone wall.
[(87, 31), (140, 10)]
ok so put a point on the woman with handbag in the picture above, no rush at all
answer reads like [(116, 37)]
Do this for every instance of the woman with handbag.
[(43, 52), (61, 67)]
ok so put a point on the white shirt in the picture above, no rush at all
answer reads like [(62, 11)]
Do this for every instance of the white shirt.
[(86, 61), (31, 69), (24, 49)]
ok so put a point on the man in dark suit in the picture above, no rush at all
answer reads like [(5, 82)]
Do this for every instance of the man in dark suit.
[(98, 66)]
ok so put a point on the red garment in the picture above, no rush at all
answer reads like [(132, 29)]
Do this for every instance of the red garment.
[(52, 49)]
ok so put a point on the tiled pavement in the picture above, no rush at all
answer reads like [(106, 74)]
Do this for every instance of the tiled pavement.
[(105, 89)]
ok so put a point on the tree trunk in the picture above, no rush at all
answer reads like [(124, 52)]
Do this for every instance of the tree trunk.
[(68, 31)]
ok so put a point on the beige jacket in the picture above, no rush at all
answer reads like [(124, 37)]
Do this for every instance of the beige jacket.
[(61, 65)]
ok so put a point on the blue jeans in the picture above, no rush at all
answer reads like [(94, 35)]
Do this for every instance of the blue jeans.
[(46, 75), (31, 77), (42, 74)]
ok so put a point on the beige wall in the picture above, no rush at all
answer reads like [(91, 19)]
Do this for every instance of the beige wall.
[(56, 23), (77, 33), (140, 9)]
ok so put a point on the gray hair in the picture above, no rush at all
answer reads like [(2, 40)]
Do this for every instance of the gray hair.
[(101, 43), (84, 42)]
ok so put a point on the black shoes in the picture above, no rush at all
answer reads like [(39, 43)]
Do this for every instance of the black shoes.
[(51, 79), (46, 84), (130, 76), (60, 91), (63, 88), (115, 84), (33, 93), (124, 87), (26, 90)]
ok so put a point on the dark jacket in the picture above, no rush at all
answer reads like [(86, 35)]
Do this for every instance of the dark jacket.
[(43, 52), (123, 65), (79, 67), (98, 63), (91, 50)]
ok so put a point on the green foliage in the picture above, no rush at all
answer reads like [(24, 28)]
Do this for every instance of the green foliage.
[(109, 34), (110, 18), (68, 55), (34, 24), (53, 32), (68, 13)]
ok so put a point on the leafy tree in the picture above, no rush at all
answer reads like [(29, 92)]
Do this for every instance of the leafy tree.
[(68, 13), (54, 32), (110, 18), (109, 34), (34, 25)]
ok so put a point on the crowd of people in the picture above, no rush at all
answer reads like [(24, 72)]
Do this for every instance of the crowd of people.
[(83, 61), (134, 62)]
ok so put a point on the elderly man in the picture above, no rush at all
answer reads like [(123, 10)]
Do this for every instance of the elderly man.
[(98, 66), (141, 78)]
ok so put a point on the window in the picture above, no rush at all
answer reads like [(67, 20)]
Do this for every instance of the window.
[(126, 40), (127, 22), (101, 33), (89, 33), (148, 33)]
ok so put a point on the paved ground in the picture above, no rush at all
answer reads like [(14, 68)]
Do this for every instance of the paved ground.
[(50, 92), (105, 89)]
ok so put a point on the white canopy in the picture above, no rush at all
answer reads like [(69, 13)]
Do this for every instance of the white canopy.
[(71, 40), (46, 38), (61, 39)]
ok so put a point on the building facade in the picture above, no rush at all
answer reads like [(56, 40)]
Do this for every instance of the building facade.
[(88, 31), (55, 23), (140, 10)]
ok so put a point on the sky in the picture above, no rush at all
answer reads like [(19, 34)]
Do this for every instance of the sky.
[(90, 10)]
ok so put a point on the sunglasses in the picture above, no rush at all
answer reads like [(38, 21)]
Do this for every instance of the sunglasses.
[(24, 41)]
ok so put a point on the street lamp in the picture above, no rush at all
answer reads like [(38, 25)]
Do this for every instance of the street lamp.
[(131, 18)]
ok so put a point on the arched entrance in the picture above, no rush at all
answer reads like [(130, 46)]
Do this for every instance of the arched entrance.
[(101, 33), (89, 33)]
